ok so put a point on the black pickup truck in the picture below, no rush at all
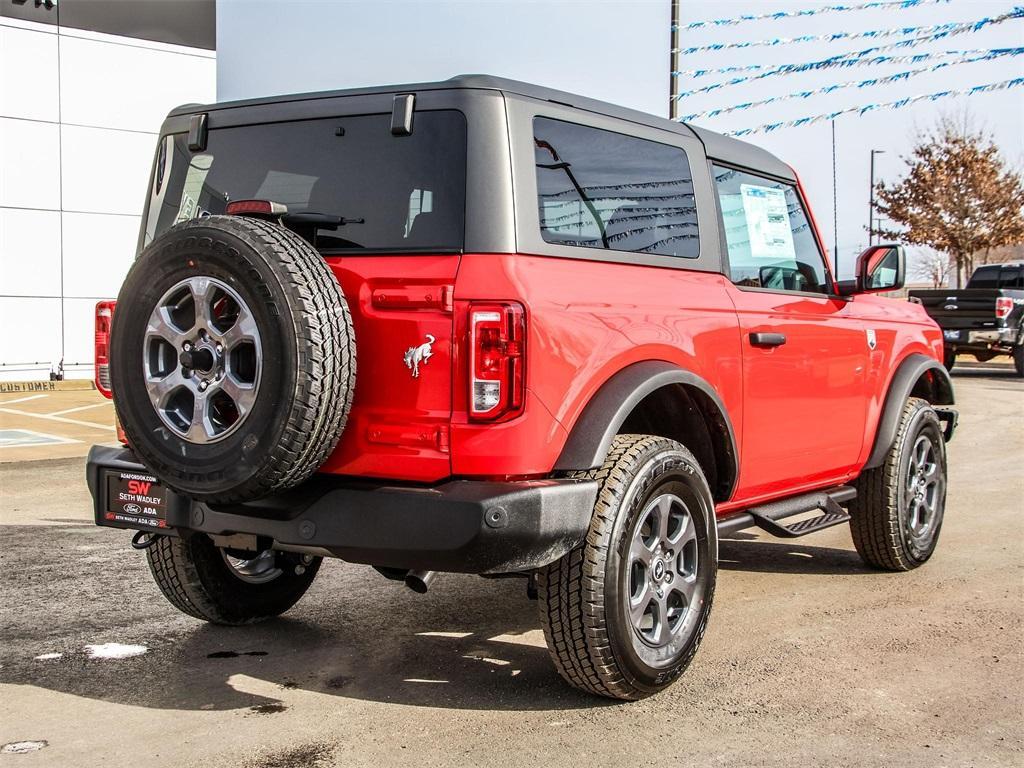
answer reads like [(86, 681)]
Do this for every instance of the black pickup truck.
[(984, 319)]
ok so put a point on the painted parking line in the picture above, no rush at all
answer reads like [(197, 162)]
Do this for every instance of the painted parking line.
[(61, 419), (24, 438), (80, 408), (21, 399)]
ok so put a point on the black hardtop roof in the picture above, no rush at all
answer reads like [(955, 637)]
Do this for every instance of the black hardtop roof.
[(717, 146)]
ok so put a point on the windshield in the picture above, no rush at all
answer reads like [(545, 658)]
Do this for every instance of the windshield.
[(403, 193)]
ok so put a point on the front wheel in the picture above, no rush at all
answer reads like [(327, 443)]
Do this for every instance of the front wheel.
[(897, 514), (225, 586), (623, 615)]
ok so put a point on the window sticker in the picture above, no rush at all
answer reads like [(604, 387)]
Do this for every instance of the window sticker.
[(768, 227), (735, 220)]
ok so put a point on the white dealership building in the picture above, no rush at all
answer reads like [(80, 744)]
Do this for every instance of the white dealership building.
[(84, 86)]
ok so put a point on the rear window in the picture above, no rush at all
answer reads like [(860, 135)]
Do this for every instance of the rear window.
[(396, 193), (600, 189), (984, 277)]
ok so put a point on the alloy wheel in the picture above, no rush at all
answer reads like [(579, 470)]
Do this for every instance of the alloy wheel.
[(662, 570), (202, 359), (923, 490)]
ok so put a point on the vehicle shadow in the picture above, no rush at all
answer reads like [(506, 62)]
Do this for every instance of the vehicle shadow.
[(743, 552), (470, 643), (987, 371)]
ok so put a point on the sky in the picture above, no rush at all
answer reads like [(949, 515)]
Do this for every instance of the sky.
[(618, 52)]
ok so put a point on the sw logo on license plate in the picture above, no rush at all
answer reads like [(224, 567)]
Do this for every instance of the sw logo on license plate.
[(133, 500)]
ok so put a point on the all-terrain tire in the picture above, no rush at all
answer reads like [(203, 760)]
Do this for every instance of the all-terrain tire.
[(306, 380), (195, 577), (881, 516), (583, 596)]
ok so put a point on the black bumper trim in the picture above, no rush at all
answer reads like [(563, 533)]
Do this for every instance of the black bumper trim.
[(462, 526)]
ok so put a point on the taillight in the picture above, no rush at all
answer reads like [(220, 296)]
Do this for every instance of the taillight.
[(104, 314), (497, 342), (1004, 305)]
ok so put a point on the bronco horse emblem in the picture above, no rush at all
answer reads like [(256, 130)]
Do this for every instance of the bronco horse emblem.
[(416, 355)]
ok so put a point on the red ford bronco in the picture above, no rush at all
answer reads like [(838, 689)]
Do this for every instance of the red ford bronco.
[(590, 342)]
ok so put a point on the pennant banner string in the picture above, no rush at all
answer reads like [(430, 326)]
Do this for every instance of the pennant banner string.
[(840, 60), (897, 77), (937, 30), (1016, 82), (883, 4), (853, 59)]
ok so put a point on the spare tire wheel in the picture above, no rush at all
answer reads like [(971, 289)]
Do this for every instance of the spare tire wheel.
[(233, 358)]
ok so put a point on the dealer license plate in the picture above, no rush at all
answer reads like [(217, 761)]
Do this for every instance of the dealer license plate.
[(134, 500)]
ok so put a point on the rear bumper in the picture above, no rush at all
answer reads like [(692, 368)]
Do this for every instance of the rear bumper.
[(459, 526), (986, 339)]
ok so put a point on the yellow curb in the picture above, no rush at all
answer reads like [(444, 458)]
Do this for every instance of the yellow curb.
[(68, 385)]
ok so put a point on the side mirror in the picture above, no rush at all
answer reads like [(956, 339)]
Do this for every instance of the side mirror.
[(880, 268)]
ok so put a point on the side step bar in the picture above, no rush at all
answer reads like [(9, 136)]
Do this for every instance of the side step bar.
[(767, 516)]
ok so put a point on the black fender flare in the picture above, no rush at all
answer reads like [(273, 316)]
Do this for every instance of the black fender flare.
[(906, 378), (592, 434)]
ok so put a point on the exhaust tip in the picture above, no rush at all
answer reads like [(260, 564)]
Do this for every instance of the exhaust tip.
[(419, 581)]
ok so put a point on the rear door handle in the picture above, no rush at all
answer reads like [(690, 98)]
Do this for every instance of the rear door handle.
[(767, 339)]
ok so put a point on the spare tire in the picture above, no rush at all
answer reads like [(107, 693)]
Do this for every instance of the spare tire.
[(232, 358)]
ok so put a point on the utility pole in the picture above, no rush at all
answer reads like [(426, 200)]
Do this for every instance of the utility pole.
[(871, 199), (835, 203), (673, 63)]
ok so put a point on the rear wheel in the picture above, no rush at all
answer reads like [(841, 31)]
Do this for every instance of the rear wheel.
[(226, 586), (624, 614), (898, 512), (1018, 359)]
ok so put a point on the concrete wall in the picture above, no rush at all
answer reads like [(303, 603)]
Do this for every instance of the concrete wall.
[(79, 114)]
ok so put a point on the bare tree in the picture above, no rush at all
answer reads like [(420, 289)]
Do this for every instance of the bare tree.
[(934, 267), (958, 196)]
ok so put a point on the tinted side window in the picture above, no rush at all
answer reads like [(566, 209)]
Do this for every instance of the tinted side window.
[(599, 189), (768, 235)]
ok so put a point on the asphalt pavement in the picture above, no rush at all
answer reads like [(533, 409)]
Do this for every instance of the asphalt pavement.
[(810, 657)]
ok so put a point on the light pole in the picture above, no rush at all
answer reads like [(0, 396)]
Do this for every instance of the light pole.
[(673, 63), (871, 198)]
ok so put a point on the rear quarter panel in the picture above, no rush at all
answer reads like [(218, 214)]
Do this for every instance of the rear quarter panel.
[(587, 321)]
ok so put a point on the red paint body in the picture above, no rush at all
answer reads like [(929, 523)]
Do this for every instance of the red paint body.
[(804, 414)]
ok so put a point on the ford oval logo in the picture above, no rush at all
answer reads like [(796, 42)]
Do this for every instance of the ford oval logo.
[(132, 509)]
